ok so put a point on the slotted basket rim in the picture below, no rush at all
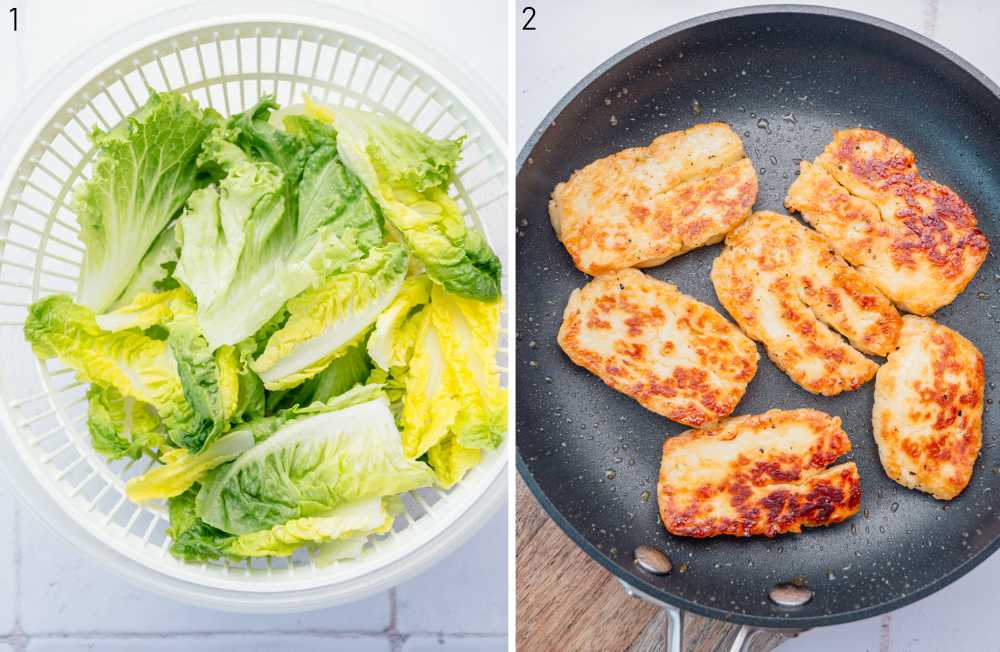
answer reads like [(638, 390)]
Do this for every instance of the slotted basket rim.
[(41, 491)]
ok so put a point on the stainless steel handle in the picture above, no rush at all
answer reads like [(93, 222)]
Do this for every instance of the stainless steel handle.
[(747, 636), (745, 639), (674, 621)]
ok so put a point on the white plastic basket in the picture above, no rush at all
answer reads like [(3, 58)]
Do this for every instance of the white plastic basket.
[(334, 55)]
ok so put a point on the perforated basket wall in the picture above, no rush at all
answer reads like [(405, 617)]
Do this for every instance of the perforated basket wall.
[(227, 67)]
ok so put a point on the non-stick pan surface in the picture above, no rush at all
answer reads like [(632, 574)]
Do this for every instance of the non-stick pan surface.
[(785, 78)]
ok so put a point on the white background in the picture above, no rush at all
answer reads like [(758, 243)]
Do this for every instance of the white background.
[(573, 37), (52, 598)]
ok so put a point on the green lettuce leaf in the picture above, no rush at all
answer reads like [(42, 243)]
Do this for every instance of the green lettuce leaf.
[(181, 468), (144, 171), (120, 426), (408, 173), (326, 320), (348, 521), (245, 251), (193, 539), (391, 343), (451, 461), (156, 270), (310, 466), (350, 369), (135, 365), (451, 377)]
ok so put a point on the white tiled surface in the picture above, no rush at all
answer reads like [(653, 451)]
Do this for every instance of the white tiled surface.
[(566, 46), (54, 599)]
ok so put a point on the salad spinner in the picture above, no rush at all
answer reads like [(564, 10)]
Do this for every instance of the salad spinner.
[(226, 61)]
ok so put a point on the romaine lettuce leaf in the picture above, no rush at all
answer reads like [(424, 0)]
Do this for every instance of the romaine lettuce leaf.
[(408, 173), (193, 539), (135, 365), (148, 309), (310, 466), (120, 426), (451, 376), (181, 468), (346, 371), (347, 521), (156, 269), (451, 461), (246, 250), (324, 321), (391, 343), (144, 171)]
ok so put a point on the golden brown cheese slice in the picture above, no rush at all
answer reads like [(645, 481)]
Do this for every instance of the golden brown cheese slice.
[(915, 239), (645, 205), (787, 289), (763, 474), (673, 354), (928, 413)]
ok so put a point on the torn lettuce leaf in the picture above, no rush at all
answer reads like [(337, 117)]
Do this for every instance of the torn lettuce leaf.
[(310, 466), (156, 270), (451, 461), (144, 171), (120, 426), (324, 321), (408, 173), (135, 365), (181, 468), (391, 343), (344, 372), (347, 521), (451, 376), (246, 249)]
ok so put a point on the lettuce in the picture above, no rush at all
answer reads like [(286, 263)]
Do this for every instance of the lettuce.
[(451, 377), (253, 242), (313, 464), (144, 171), (156, 270), (193, 539), (324, 321), (120, 426), (135, 365), (451, 461), (348, 521), (391, 343), (346, 371), (181, 468), (408, 173)]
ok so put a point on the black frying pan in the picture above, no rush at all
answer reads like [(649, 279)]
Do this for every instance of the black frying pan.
[(785, 78)]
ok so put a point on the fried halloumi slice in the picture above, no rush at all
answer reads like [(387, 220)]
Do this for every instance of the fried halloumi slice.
[(763, 474), (915, 239), (928, 413), (644, 338), (645, 205), (787, 289)]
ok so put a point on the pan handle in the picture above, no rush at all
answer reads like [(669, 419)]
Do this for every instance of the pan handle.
[(749, 639), (674, 621)]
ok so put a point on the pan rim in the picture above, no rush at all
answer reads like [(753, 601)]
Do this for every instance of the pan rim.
[(635, 579)]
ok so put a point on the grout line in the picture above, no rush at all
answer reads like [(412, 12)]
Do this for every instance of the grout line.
[(18, 640), (885, 629), (930, 17), (396, 640)]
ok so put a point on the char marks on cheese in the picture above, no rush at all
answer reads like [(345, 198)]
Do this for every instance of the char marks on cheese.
[(917, 240), (762, 474), (787, 289), (644, 205), (676, 356), (928, 412)]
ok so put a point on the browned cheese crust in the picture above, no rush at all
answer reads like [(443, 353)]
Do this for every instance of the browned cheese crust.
[(787, 289), (674, 355), (928, 413), (645, 205), (915, 239), (763, 474)]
